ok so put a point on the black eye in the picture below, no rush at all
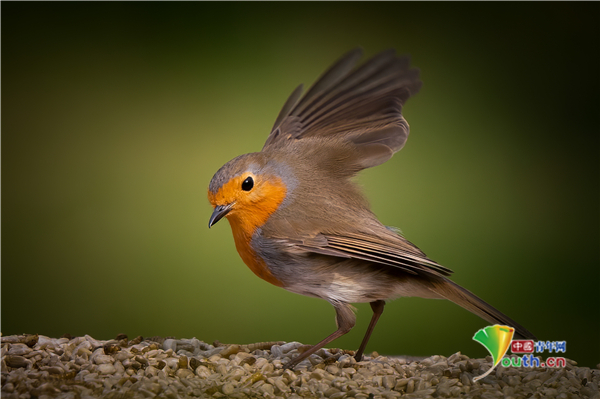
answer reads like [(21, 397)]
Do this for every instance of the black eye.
[(248, 184)]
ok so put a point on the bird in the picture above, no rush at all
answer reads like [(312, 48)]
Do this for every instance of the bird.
[(299, 220)]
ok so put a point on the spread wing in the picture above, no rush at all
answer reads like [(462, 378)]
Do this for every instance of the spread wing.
[(398, 252), (364, 106)]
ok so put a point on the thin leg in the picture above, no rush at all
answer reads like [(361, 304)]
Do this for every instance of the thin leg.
[(345, 320), (377, 307)]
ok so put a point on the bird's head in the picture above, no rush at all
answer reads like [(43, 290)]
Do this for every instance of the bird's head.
[(246, 190)]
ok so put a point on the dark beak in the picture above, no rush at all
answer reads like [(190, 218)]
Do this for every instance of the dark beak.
[(218, 213)]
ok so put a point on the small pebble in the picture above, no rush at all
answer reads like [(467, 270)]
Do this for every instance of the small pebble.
[(19, 350), (16, 361), (228, 388), (102, 359), (106, 368)]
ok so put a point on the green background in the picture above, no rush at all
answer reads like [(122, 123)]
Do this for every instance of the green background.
[(116, 115)]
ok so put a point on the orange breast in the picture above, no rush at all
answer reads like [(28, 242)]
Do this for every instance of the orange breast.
[(250, 258), (251, 211)]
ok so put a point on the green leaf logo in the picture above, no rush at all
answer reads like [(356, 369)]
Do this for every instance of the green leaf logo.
[(496, 339)]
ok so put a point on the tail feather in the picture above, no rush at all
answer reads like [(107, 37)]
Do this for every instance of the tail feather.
[(466, 299)]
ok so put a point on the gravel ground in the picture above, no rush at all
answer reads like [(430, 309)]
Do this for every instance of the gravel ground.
[(82, 367)]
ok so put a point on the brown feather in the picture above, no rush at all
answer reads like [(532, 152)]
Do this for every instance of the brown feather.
[(450, 290), (373, 249), (362, 107)]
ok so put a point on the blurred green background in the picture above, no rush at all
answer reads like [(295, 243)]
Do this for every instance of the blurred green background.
[(116, 115)]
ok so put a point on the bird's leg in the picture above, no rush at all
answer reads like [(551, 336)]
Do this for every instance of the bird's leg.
[(377, 307), (345, 320)]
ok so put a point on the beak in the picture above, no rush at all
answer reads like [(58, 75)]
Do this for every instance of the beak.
[(218, 213)]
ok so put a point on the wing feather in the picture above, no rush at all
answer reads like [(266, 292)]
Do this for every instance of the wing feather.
[(361, 106), (397, 253)]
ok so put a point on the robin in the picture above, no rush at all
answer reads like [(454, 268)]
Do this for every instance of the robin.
[(300, 223)]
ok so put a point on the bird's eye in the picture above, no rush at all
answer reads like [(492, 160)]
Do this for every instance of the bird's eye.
[(248, 184)]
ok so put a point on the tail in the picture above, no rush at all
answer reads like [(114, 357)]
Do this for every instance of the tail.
[(466, 299)]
